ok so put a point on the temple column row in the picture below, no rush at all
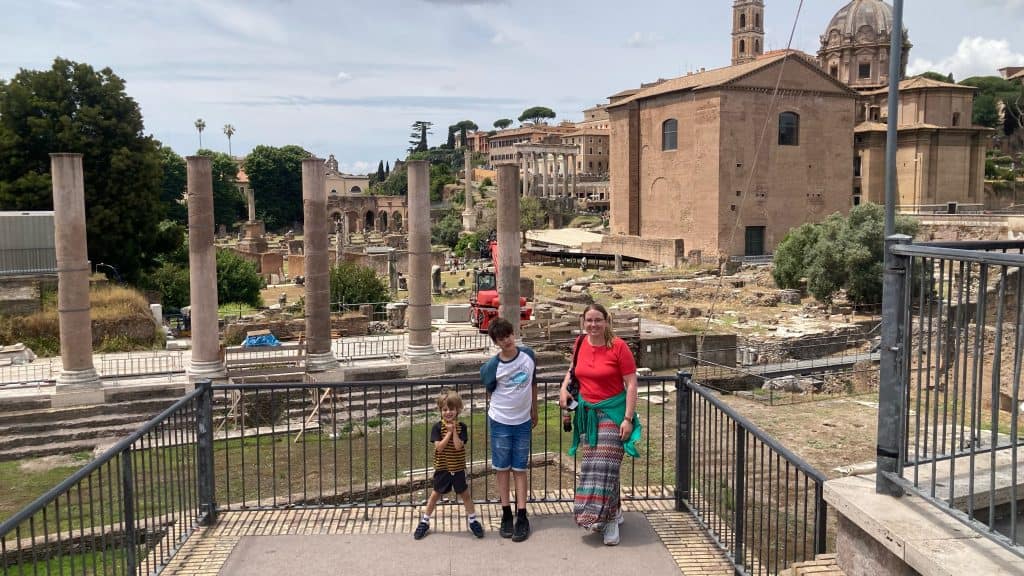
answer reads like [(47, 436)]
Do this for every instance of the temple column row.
[(559, 174)]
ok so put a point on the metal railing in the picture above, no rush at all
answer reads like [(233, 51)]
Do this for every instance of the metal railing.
[(352, 444), (368, 347), (951, 381), (380, 314), (763, 504), (129, 510), (129, 365), (451, 342), (33, 373)]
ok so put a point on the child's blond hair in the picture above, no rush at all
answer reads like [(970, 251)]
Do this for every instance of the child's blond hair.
[(449, 399)]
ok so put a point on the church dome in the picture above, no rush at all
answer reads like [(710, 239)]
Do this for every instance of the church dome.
[(858, 14)]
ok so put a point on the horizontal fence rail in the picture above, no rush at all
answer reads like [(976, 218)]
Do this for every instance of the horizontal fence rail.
[(452, 342), (762, 503), (141, 365), (126, 512), (959, 371), (353, 444)]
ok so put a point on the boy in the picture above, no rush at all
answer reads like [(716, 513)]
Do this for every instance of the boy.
[(449, 437), (510, 379)]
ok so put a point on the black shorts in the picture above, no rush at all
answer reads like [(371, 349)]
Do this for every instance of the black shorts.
[(445, 481)]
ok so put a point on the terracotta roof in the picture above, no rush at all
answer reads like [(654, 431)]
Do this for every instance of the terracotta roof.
[(920, 83), (719, 77), (624, 93)]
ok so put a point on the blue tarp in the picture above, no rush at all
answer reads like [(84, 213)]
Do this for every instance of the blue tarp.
[(264, 340)]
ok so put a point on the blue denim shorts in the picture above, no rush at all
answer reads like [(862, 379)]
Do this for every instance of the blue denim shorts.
[(510, 445)]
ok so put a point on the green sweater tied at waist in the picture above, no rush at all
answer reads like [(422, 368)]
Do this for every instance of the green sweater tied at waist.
[(585, 422)]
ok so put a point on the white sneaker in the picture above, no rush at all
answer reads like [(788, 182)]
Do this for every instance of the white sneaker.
[(611, 534)]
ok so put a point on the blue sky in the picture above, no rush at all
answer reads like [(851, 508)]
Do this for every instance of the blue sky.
[(348, 77)]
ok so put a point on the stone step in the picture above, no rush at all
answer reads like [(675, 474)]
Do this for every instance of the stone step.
[(61, 436), (55, 416), (43, 426), (52, 448)]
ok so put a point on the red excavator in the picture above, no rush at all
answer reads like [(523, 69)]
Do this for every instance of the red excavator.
[(484, 302)]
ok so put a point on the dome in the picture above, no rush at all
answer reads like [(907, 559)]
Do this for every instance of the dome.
[(851, 18)]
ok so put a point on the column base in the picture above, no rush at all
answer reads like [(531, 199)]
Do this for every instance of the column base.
[(321, 362), (87, 378), (78, 388), (207, 369), (421, 367), (420, 350), (469, 221)]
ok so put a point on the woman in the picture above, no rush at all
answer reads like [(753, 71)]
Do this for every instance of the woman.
[(605, 422)]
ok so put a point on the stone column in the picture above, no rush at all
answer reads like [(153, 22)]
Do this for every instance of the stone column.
[(544, 177), (202, 273), (509, 258), (565, 175), (250, 200), (531, 160), (418, 313), (469, 212), (575, 169), (78, 381), (318, 281)]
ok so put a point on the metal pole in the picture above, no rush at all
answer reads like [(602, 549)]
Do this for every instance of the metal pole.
[(740, 494), (204, 466), (891, 385), (128, 498), (892, 135), (684, 425)]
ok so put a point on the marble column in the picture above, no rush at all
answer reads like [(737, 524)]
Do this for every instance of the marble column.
[(544, 178), (78, 378), (565, 175), (418, 313), (202, 273), (318, 280), (509, 258), (250, 200), (469, 210), (575, 171)]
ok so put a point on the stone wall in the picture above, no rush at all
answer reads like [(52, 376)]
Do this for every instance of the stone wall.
[(664, 252), (351, 324)]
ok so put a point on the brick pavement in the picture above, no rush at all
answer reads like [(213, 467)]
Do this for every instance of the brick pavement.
[(207, 550)]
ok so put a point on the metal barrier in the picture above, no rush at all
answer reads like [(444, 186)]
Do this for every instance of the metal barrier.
[(368, 347), (27, 373), (141, 365), (452, 342), (380, 313), (950, 419), (129, 510), (761, 503)]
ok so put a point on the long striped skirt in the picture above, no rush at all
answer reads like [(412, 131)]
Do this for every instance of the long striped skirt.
[(597, 491)]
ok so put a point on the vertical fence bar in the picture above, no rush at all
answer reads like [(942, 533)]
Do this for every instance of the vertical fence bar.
[(128, 499), (684, 424), (204, 456), (891, 394), (739, 493)]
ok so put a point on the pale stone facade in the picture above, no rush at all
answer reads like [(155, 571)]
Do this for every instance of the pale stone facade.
[(502, 144), (337, 183), (593, 145), (683, 153), (855, 45)]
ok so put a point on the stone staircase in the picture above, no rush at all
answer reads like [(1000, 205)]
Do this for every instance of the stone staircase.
[(822, 565), (30, 428)]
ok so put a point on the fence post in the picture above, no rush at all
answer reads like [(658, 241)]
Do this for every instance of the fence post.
[(739, 496), (820, 519), (891, 386), (128, 498), (204, 466), (684, 426)]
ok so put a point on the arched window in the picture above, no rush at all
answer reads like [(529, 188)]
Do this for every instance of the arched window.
[(757, 19), (789, 129), (743, 20), (669, 129), (743, 47), (757, 46), (956, 118)]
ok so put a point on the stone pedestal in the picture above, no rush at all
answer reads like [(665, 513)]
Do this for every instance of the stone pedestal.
[(396, 314), (202, 264), (318, 284), (78, 377), (420, 341)]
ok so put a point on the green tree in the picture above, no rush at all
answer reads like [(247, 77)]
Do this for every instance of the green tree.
[(352, 283), (237, 279), (380, 171), (446, 231), (531, 215), (229, 131), (937, 77), (200, 125), (440, 176), (228, 203), (838, 253), (418, 137), (463, 127), (450, 144), (172, 187), (991, 91), (387, 169), (502, 123), (468, 241), (73, 108), (536, 114), (276, 178)]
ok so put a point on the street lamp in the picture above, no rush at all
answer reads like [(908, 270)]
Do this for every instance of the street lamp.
[(117, 275)]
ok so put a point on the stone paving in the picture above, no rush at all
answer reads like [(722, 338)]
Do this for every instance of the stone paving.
[(207, 551)]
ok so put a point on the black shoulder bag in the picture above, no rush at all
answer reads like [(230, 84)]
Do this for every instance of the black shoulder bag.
[(574, 384)]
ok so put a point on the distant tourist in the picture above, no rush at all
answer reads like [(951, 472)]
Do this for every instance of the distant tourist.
[(510, 377), (449, 437), (605, 425)]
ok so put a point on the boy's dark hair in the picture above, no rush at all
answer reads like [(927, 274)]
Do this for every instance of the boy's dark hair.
[(500, 328)]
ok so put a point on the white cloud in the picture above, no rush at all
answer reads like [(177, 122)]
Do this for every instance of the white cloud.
[(643, 40), (1011, 4), (343, 77), (357, 167), (975, 56), (243, 20)]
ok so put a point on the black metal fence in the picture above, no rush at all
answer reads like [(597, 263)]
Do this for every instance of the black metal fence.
[(127, 511), (955, 381), (762, 503)]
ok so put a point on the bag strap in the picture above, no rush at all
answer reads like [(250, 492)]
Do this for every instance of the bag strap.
[(576, 354)]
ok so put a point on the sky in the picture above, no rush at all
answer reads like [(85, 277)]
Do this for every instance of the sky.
[(349, 77)]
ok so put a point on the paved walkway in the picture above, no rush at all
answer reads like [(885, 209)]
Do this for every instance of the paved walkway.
[(655, 540)]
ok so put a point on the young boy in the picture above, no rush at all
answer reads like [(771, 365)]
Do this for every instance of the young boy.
[(510, 379), (449, 437)]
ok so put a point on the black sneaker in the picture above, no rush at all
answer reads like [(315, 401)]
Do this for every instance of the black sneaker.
[(522, 531), (476, 528), (506, 527), (421, 529)]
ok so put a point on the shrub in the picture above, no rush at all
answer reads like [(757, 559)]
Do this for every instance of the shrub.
[(487, 182), (355, 284)]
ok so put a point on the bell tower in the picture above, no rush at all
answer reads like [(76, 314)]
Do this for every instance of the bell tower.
[(747, 30)]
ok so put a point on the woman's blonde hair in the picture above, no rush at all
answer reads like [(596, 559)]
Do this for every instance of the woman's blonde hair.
[(449, 399), (609, 331)]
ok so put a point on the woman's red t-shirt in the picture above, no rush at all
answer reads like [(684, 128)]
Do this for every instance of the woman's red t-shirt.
[(601, 369)]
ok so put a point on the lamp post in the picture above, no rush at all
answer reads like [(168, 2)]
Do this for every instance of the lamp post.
[(117, 275)]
